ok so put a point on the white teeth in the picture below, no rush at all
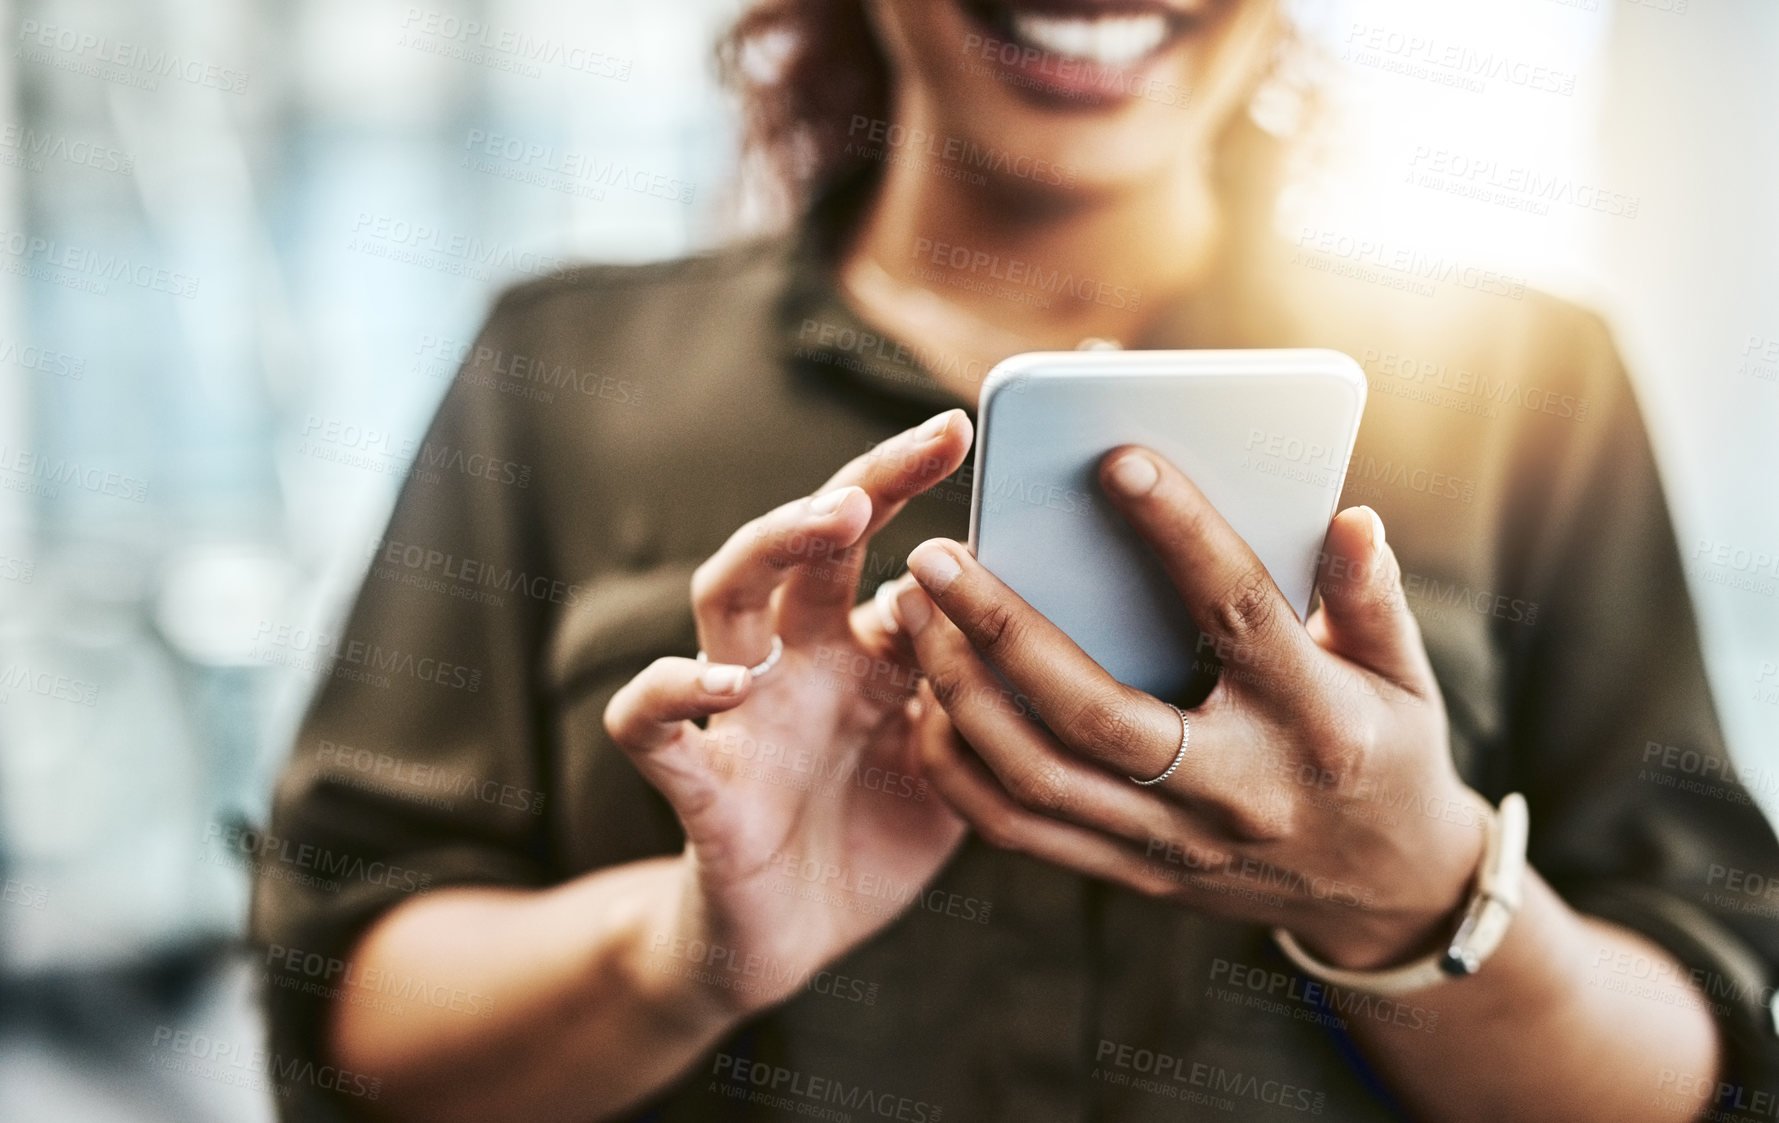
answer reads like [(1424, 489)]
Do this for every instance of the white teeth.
[(1107, 40)]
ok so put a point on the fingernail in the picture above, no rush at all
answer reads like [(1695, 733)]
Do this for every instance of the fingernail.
[(829, 501), (721, 679), (931, 428), (914, 609), (1134, 474), (1377, 531), (888, 594), (934, 567)]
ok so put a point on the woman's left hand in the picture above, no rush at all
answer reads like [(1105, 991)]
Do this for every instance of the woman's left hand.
[(1317, 791)]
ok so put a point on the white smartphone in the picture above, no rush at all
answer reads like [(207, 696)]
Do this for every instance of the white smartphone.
[(1266, 435)]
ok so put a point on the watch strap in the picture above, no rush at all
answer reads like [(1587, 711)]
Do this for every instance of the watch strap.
[(1495, 898)]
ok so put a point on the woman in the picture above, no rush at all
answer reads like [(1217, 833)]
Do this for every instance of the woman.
[(871, 884)]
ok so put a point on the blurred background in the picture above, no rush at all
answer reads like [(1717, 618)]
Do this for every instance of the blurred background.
[(244, 243)]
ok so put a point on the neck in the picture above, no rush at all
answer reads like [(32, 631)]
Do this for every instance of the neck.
[(985, 271)]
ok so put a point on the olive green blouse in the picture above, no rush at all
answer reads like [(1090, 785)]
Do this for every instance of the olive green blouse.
[(611, 427)]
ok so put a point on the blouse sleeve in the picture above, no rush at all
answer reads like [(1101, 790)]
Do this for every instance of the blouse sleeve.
[(418, 765), (1639, 813)]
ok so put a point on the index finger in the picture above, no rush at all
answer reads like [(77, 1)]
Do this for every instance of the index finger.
[(906, 464), (1226, 588), (817, 597)]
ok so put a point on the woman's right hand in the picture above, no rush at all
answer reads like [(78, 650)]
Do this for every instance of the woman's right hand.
[(804, 787)]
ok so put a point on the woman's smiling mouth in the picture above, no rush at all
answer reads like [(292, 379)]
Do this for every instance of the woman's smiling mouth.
[(1079, 51)]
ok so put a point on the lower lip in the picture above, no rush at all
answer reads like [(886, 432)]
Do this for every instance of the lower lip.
[(1064, 81)]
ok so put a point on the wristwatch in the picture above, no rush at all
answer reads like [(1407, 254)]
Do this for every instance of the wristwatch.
[(1500, 881)]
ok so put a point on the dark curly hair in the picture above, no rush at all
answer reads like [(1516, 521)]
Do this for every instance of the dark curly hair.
[(803, 69)]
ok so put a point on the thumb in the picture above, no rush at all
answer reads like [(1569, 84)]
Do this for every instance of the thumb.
[(1364, 616)]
